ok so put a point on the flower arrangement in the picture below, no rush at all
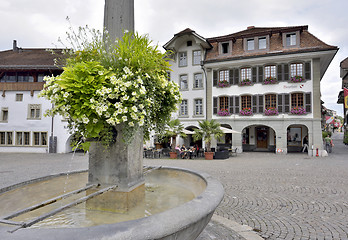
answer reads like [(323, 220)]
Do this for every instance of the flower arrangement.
[(246, 112), (298, 111), (296, 79), (223, 112), (270, 111), (270, 80), (105, 84), (223, 83), (245, 82)]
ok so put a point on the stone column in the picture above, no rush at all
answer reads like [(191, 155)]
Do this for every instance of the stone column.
[(118, 17)]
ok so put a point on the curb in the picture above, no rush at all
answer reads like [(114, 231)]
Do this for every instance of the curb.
[(243, 230)]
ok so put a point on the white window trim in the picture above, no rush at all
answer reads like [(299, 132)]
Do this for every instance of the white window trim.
[(187, 108), (34, 106), (179, 59), (194, 81), (193, 57), (194, 107)]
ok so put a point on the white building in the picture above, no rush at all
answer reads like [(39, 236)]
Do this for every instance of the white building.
[(23, 126), (262, 82)]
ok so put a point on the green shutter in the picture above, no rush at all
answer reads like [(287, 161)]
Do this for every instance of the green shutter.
[(254, 74), (280, 72), (260, 103), (231, 76), (236, 104), (308, 71), (215, 78), (286, 72), (261, 78), (231, 105), (236, 76), (286, 103), (215, 105), (308, 102), (280, 103), (254, 104)]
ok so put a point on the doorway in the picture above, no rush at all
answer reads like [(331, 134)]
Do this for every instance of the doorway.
[(262, 136)]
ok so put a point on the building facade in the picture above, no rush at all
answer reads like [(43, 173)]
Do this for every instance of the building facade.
[(23, 126), (341, 98), (261, 82)]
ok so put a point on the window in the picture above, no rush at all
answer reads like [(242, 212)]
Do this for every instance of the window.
[(189, 43), (183, 82), (17, 77), (245, 73), (182, 59), (23, 138), (4, 115), (270, 71), (296, 69), (183, 108), (223, 103), (34, 111), (246, 102), (291, 39), (198, 107), (270, 101), (19, 97), (198, 80), (225, 48), (197, 57), (296, 100), (250, 44), (5, 138), (40, 138), (262, 43), (224, 75)]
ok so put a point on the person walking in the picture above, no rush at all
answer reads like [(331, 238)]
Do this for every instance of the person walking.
[(328, 143), (305, 144)]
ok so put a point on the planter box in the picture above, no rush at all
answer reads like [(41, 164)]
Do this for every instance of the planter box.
[(209, 155), (173, 155)]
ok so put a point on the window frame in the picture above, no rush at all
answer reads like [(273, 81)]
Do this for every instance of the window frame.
[(228, 47), (24, 138), (253, 44), (258, 43), (182, 59), (271, 72), (294, 68), (295, 99), (196, 57), (271, 100), (245, 72), (34, 112), (19, 97), (41, 139), (223, 103), (199, 106), (245, 102), (200, 81), (4, 115), (185, 107), (182, 80)]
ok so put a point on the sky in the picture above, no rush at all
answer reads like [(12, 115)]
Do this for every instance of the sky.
[(39, 23)]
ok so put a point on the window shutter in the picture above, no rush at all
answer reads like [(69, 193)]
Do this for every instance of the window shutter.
[(231, 77), (215, 105), (254, 74), (260, 103), (280, 72), (236, 76), (308, 102), (236, 104), (231, 105), (286, 103), (215, 78), (261, 74), (280, 103), (254, 104), (286, 72), (308, 71)]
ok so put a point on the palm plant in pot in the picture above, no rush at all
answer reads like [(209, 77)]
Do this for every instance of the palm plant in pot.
[(207, 131), (173, 129)]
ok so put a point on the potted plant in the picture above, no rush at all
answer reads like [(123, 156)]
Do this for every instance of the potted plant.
[(105, 86), (270, 80), (298, 111), (207, 131), (245, 82), (223, 112), (223, 83), (246, 112), (270, 111), (174, 128), (296, 79)]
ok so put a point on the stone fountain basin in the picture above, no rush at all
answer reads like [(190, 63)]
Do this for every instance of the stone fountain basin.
[(185, 221)]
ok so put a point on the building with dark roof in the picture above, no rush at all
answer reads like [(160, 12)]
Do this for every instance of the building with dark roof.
[(263, 82), (23, 126)]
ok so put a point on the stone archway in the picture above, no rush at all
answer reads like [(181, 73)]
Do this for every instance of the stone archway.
[(295, 136), (258, 138)]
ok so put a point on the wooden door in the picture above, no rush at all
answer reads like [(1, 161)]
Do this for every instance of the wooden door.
[(261, 137)]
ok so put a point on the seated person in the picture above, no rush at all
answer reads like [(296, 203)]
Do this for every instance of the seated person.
[(183, 151)]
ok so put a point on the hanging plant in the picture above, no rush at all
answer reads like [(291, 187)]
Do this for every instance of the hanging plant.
[(270, 80), (271, 111), (245, 82), (298, 111), (296, 79), (223, 112), (246, 112)]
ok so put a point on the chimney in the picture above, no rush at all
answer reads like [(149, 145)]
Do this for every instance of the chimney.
[(250, 27), (15, 48)]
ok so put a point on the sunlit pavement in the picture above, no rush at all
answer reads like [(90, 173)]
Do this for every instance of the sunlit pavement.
[(279, 197)]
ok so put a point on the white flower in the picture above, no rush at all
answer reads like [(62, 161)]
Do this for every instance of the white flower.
[(131, 124), (135, 109), (85, 120), (141, 106), (100, 72), (95, 120), (125, 98), (124, 118), (66, 94), (117, 105)]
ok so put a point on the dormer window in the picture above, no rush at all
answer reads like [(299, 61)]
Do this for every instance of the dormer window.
[(250, 44), (291, 39), (225, 48), (262, 43)]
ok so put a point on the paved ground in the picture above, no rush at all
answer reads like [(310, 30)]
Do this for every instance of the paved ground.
[(279, 197)]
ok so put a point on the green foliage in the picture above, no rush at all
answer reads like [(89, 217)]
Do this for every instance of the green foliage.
[(207, 131), (345, 139), (105, 84)]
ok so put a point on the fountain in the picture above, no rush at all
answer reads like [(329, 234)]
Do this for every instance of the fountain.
[(115, 199)]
